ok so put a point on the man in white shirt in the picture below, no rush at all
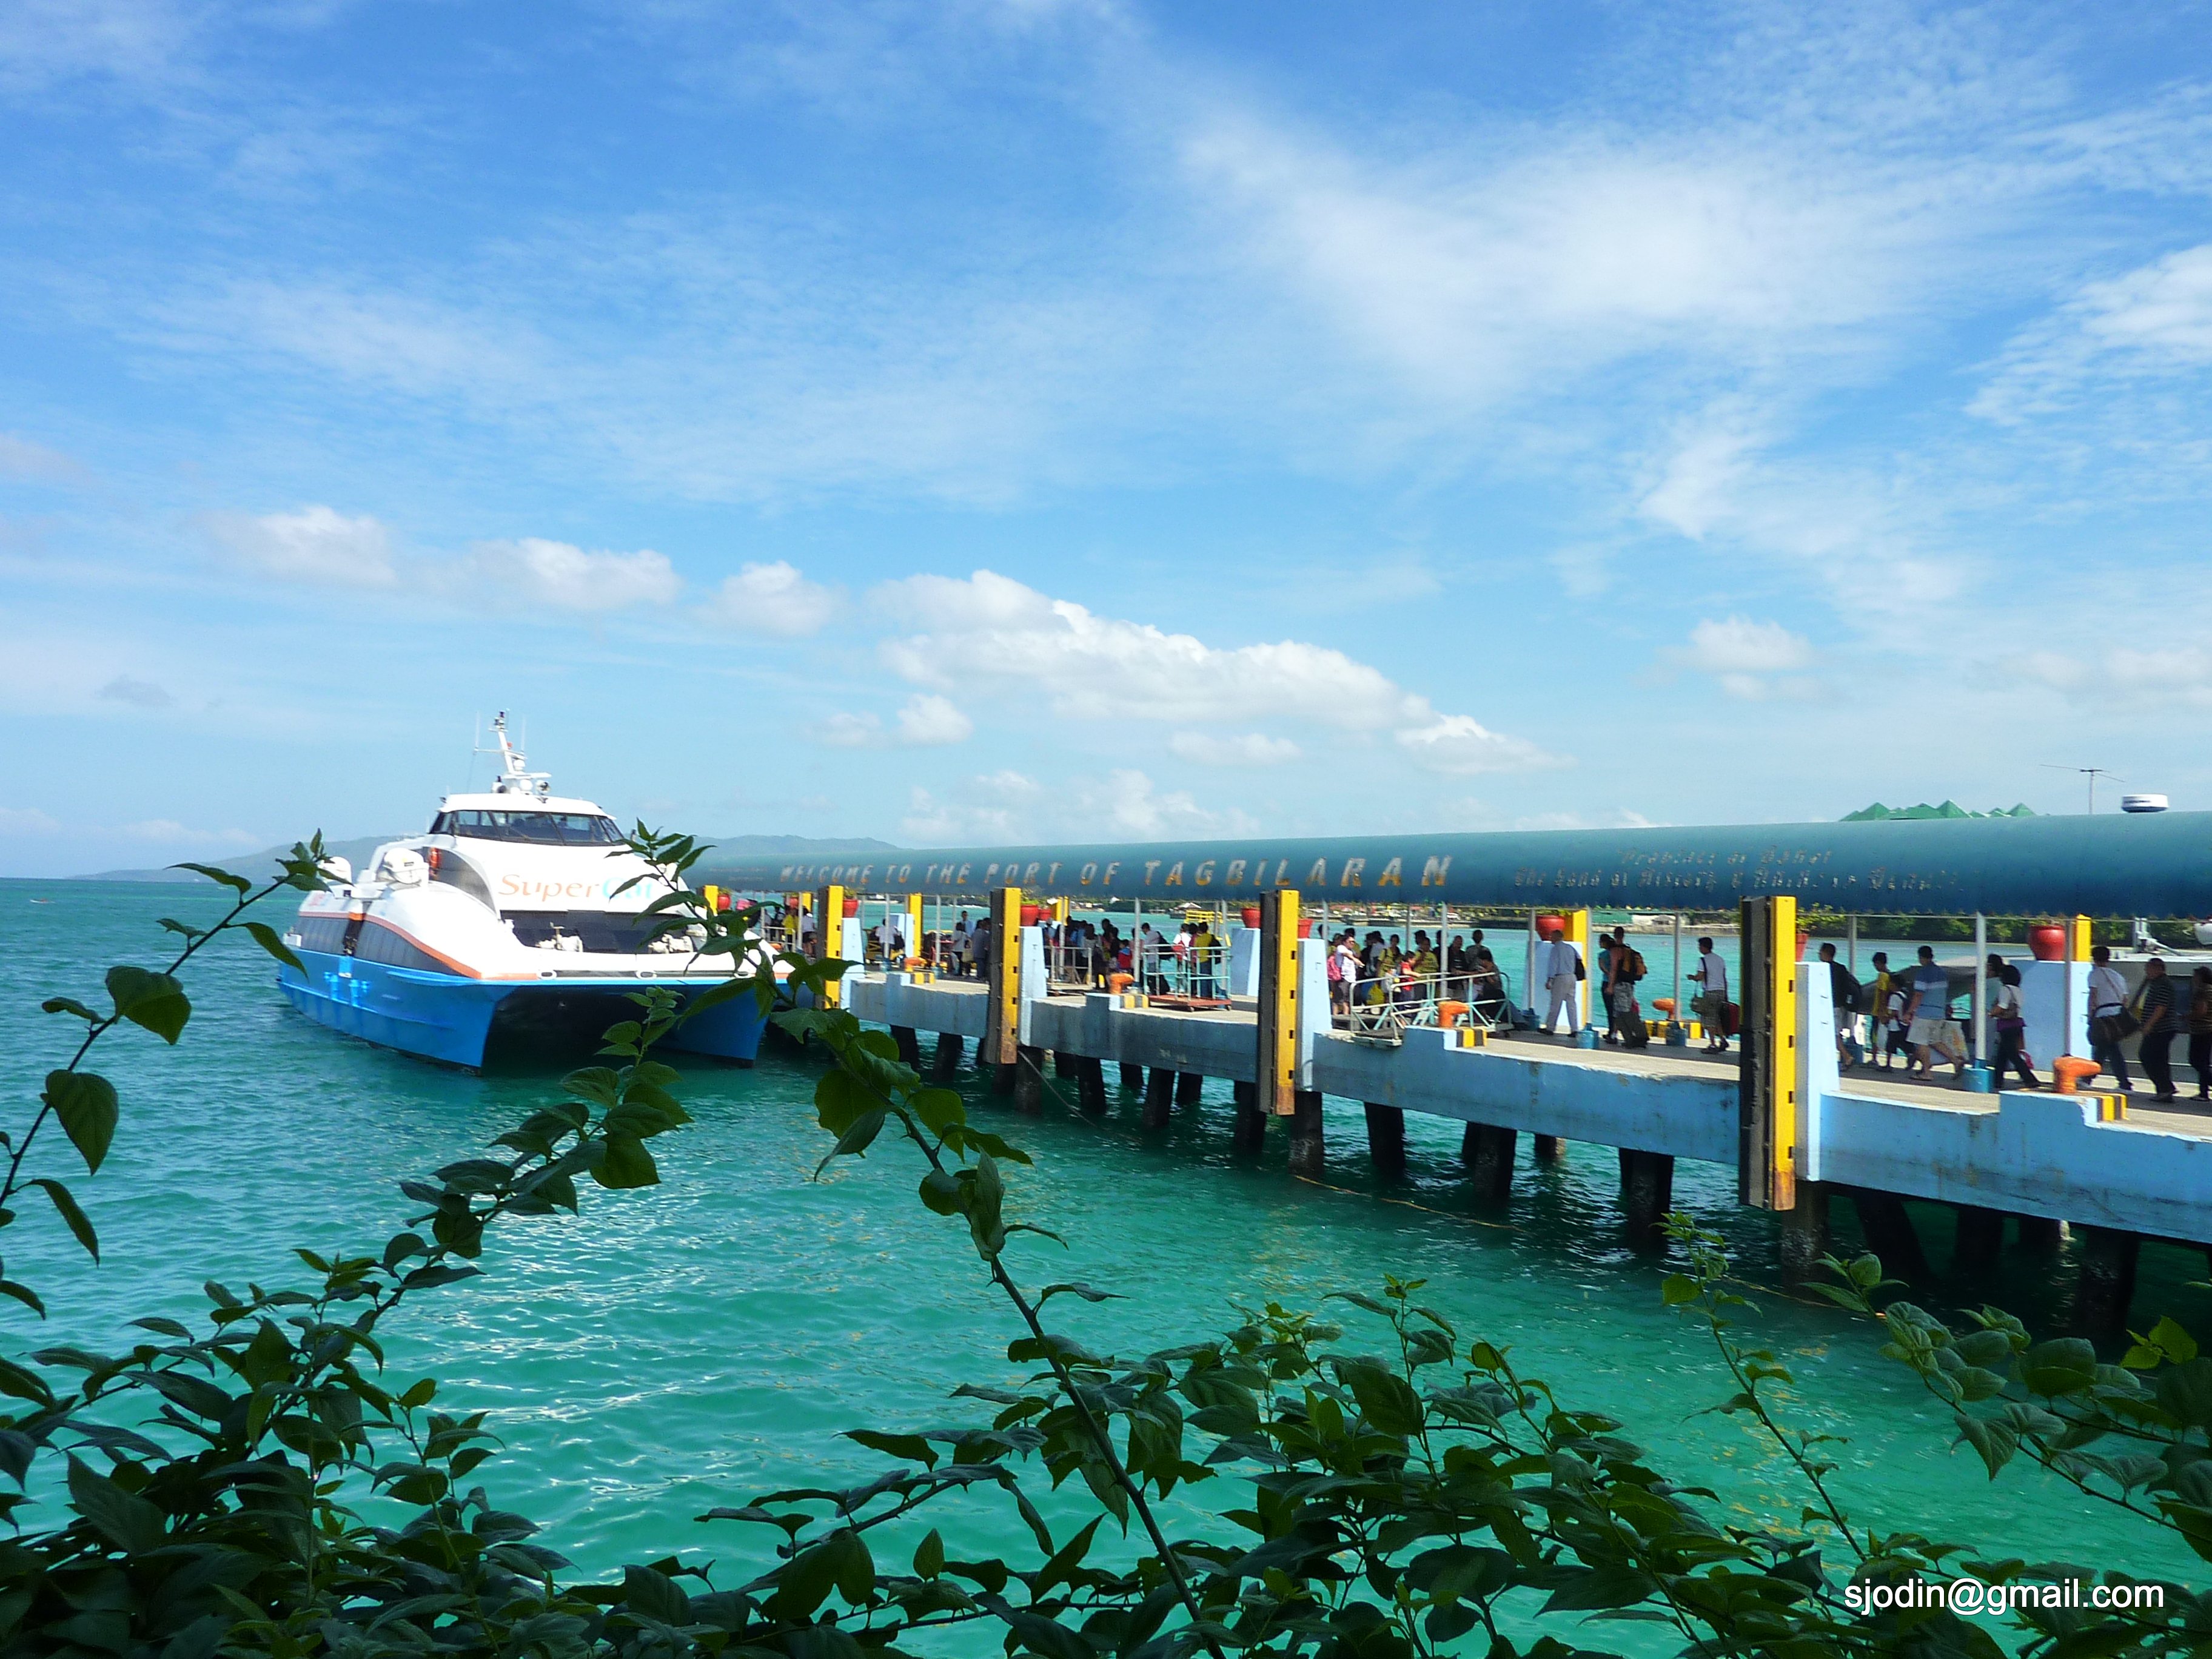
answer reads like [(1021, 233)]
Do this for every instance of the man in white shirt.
[(2108, 998), (1560, 960), (1711, 1000)]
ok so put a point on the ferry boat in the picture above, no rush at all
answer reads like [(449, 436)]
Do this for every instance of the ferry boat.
[(503, 924)]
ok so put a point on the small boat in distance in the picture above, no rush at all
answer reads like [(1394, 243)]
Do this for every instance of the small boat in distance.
[(503, 923)]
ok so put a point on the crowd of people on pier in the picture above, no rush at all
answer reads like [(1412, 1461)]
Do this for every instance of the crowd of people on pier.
[(1897, 1019)]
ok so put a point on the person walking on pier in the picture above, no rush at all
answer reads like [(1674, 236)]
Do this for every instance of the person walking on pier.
[(1844, 997), (2200, 1030), (1712, 999), (1563, 967), (2009, 1021), (2155, 1007), (1932, 1030), (2108, 1008)]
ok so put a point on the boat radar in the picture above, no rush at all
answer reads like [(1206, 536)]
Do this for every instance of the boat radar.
[(515, 777)]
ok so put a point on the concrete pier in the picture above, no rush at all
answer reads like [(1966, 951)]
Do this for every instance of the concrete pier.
[(2042, 1159)]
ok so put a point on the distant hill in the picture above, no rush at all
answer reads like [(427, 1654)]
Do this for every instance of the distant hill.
[(356, 853), (1950, 809)]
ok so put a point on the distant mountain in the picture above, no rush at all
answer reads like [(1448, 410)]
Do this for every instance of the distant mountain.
[(356, 853), (1950, 809)]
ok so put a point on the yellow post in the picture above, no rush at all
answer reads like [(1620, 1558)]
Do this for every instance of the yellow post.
[(829, 925), (1277, 1085), (913, 927), (1002, 1018), (1773, 1027), (2077, 939)]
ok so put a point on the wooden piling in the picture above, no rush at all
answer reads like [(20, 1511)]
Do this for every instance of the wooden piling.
[(2106, 1287), (1804, 1235), (1029, 1078), (1306, 1135), (1890, 1234), (1979, 1243), (1386, 1141), (1091, 1087), (1190, 1088), (2040, 1235), (1647, 1194), (1545, 1149), (1250, 1133), (909, 1045), (1159, 1096), (1132, 1076), (949, 1047), (1487, 1154)]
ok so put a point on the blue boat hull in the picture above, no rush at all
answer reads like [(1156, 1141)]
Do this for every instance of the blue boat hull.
[(452, 1018)]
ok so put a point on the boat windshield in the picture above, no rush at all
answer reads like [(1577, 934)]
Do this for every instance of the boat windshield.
[(541, 828)]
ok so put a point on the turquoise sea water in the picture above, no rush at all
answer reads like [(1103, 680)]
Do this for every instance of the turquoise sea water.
[(689, 1345)]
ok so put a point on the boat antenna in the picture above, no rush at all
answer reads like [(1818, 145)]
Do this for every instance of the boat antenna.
[(514, 777), (2092, 773)]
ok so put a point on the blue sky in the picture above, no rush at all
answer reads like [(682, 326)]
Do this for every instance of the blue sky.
[(1004, 419)]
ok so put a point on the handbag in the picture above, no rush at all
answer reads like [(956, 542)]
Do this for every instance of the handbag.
[(2118, 1026)]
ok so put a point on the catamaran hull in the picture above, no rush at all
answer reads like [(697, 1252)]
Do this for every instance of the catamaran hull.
[(453, 1019)]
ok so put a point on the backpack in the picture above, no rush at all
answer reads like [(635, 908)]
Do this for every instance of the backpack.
[(1636, 969)]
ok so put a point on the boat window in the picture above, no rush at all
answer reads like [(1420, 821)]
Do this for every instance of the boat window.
[(541, 828), (451, 868)]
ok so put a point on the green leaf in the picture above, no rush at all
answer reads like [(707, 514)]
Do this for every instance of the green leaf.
[(2065, 1365), (86, 1104), (1678, 1288), (68, 1006), (70, 1213), (152, 1000), (929, 1555), (941, 1193), (127, 1520), (265, 937), (1386, 1400), (237, 884), (625, 1162)]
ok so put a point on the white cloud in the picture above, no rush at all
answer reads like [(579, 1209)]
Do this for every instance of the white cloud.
[(1130, 803), (929, 721), (990, 628), (139, 694), (1241, 749), (567, 577), (1751, 661), (1479, 272), (2154, 321), (991, 806), (774, 598), (317, 544), (844, 730), (1738, 645), (36, 463), (926, 721), (167, 832), (1459, 745), (28, 820)]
